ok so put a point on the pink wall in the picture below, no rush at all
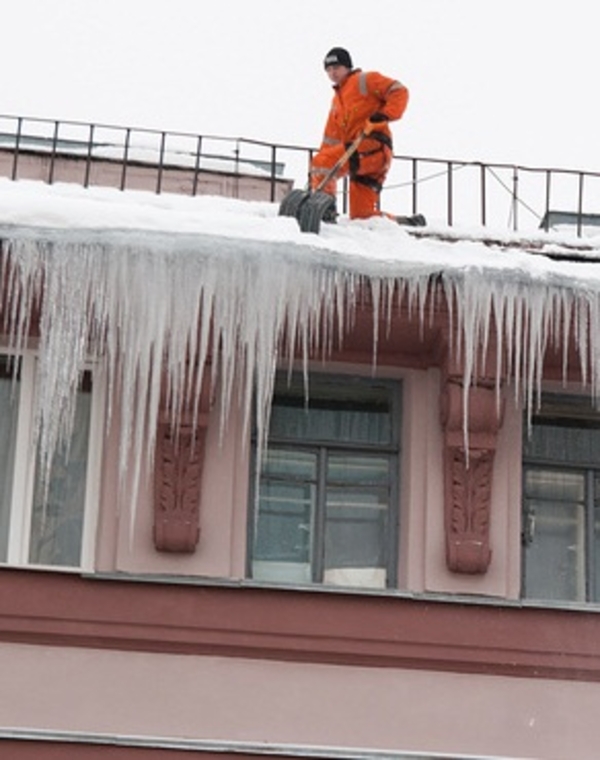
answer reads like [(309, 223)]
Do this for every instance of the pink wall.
[(292, 703), (104, 173), (222, 547)]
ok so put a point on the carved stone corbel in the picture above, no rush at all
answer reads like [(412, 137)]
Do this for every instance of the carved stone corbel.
[(179, 462), (470, 438)]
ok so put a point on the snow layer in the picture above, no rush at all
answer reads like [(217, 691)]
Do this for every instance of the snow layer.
[(137, 281)]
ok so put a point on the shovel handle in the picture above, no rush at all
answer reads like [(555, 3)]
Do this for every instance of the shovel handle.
[(350, 150)]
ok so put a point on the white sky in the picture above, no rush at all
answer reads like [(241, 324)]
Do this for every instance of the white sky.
[(492, 80)]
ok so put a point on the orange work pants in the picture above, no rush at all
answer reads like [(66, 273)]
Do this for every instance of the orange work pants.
[(368, 169)]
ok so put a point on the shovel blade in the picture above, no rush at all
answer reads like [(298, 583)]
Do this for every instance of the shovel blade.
[(293, 202), (320, 207)]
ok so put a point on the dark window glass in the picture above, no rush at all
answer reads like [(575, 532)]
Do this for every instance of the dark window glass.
[(325, 510), (561, 503)]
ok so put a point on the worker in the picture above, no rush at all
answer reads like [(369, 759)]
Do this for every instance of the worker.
[(362, 102)]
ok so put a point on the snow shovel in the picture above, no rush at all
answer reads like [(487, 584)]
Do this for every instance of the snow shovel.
[(311, 207)]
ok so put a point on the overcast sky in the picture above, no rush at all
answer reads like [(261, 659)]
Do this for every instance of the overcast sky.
[(492, 80)]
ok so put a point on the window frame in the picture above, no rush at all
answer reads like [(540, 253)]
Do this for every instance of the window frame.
[(576, 412), (392, 451), (23, 486)]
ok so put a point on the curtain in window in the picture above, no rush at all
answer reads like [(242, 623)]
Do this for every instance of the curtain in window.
[(369, 424), (8, 433), (356, 520), (555, 552), (57, 520)]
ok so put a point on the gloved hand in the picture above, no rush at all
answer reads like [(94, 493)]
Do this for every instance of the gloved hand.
[(375, 121)]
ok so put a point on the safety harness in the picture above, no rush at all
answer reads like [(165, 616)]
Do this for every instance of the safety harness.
[(354, 162)]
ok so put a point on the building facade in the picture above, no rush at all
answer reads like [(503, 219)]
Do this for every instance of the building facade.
[(291, 509)]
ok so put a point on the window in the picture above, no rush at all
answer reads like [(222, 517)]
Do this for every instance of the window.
[(327, 507), (43, 526), (561, 517)]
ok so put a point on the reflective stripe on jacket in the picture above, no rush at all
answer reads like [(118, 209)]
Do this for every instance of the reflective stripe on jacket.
[(359, 96)]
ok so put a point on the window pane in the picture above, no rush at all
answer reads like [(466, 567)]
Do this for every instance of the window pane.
[(289, 463), (57, 521), (9, 394), (358, 413), (284, 525), (324, 492), (356, 520), (596, 538), (554, 535), (353, 468), (569, 444)]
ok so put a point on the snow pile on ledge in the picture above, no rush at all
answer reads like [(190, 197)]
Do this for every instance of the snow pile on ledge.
[(139, 282)]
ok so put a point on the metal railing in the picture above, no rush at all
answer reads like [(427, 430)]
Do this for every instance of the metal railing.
[(448, 191), (499, 195), (126, 148)]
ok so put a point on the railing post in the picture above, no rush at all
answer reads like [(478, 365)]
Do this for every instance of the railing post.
[(88, 162), (415, 208), (580, 206), (483, 196), (450, 198), (161, 159), (273, 172), (53, 153), (125, 158), (547, 213), (515, 198), (17, 147), (197, 165), (236, 170)]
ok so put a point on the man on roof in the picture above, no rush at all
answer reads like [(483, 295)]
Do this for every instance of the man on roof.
[(362, 102)]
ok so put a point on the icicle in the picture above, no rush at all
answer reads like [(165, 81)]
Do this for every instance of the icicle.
[(156, 308)]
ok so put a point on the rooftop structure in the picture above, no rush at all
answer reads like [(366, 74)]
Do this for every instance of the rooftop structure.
[(274, 494)]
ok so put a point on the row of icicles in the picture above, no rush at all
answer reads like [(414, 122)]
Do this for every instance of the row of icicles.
[(142, 310)]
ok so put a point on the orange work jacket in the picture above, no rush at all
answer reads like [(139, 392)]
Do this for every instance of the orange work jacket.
[(359, 96)]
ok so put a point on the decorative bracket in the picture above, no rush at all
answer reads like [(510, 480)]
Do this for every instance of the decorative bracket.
[(470, 437), (179, 462)]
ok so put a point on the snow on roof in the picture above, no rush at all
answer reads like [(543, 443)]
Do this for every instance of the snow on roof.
[(60, 206), (375, 246), (142, 281)]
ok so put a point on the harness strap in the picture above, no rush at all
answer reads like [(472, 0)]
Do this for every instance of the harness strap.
[(382, 138), (371, 182)]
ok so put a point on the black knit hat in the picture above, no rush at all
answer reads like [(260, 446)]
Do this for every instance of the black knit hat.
[(337, 56)]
